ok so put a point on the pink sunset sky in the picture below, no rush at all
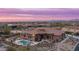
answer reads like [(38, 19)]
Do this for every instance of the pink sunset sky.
[(37, 14)]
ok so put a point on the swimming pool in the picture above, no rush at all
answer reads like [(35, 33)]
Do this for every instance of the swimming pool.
[(22, 42)]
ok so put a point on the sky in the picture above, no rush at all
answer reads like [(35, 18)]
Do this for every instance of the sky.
[(37, 14)]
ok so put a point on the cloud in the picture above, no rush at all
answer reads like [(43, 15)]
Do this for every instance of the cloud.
[(38, 14)]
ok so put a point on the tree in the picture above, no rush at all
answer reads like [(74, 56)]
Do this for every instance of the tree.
[(7, 29)]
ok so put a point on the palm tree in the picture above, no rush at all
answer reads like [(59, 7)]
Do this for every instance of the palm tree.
[(73, 29)]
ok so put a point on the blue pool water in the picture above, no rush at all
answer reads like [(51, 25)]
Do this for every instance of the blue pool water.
[(24, 42)]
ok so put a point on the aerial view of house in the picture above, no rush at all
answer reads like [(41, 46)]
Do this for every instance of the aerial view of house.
[(39, 29)]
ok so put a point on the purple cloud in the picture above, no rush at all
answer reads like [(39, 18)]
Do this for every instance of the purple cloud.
[(66, 13)]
